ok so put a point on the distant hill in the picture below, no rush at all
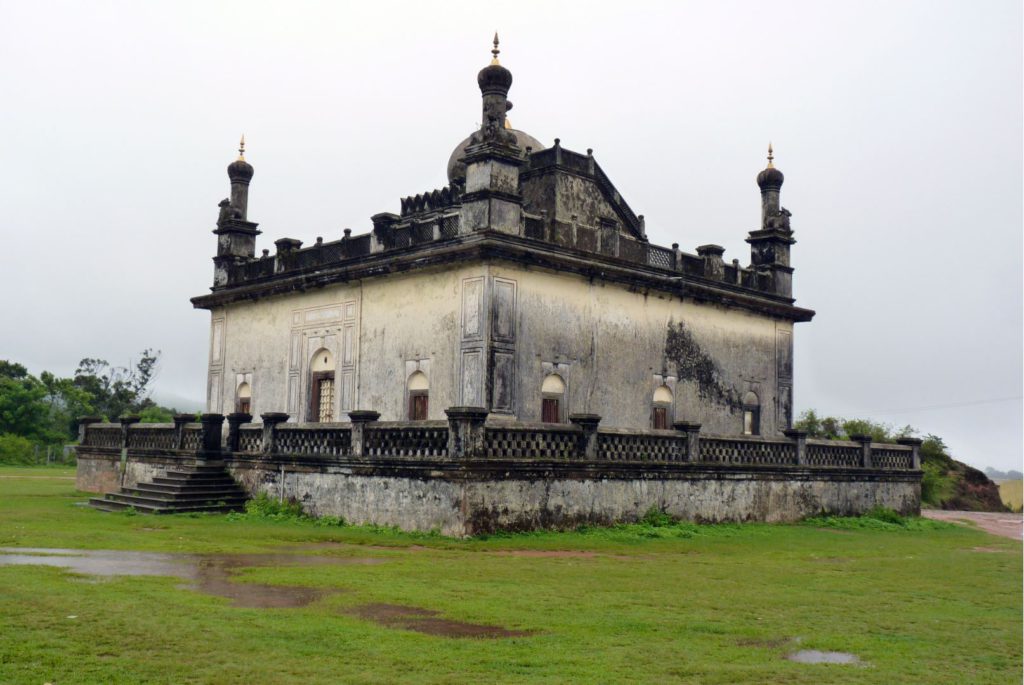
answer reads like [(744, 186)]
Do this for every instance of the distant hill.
[(995, 474), (172, 401)]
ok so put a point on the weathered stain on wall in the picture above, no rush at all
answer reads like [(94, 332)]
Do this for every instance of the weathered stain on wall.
[(696, 366)]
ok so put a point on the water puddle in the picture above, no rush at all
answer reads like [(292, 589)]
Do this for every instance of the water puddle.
[(813, 656), (427, 621), (208, 573)]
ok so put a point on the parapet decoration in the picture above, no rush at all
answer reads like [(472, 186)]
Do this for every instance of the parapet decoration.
[(551, 207)]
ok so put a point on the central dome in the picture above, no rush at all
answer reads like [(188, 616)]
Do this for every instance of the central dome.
[(457, 170)]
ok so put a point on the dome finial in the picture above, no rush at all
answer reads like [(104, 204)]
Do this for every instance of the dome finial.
[(771, 156), (241, 149), (495, 50)]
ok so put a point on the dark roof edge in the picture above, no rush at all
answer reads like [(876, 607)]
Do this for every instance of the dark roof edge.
[(525, 251)]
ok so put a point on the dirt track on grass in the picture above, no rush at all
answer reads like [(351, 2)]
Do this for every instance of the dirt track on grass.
[(1004, 525)]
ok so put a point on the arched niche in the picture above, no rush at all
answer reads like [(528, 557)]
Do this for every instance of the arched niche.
[(418, 388), (661, 408), (321, 387), (552, 398)]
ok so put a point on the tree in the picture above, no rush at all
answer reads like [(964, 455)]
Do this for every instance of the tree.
[(23, 407), (117, 390)]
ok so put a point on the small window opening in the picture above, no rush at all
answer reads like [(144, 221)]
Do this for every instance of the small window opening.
[(243, 399), (321, 387), (419, 394), (661, 408), (552, 398), (751, 414)]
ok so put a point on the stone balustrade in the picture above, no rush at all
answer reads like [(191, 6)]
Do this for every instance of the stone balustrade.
[(467, 435)]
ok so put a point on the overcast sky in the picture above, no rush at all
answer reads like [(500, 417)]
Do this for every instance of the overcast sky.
[(898, 126)]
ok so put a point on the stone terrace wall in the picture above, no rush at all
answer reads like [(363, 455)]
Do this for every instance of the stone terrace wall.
[(466, 476)]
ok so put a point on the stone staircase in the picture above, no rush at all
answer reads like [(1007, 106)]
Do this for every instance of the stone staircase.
[(203, 487)]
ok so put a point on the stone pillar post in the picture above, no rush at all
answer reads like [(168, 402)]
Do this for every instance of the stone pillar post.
[(915, 454), (125, 422), (179, 428), (270, 421), (466, 433), (800, 438), (360, 418), (236, 419), (692, 431), (210, 440), (865, 445), (83, 425), (714, 267), (588, 438)]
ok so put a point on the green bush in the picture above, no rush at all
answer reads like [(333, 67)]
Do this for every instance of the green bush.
[(263, 506), (657, 518), (15, 449)]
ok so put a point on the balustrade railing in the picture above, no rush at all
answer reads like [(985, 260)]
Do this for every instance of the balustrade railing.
[(153, 436), (620, 445), (730, 450), (466, 435), (531, 441), (103, 435), (317, 439), (250, 438), (834, 453), (419, 439)]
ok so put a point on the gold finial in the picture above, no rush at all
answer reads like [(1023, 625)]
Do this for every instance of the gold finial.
[(495, 50), (241, 149), (770, 157)]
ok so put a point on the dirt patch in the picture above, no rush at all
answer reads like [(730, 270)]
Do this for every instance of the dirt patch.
[(764, 642), (427, 621), (1002, 524), (211, 574), (990, 550), (545, 554)]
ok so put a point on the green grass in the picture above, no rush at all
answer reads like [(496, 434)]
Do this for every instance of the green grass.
[(659, 602)]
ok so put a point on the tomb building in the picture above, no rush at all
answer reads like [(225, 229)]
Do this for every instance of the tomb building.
[(526, 286)]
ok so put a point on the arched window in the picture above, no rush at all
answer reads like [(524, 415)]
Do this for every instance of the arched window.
[(751, 414), (321, 387), (552, 398), (243, 399), (661, 414), (419, 391)]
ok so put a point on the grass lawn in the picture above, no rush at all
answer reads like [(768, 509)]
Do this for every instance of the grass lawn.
[(922, 603)]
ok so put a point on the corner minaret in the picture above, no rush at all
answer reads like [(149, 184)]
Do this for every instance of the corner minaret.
[(492, 200), (769, 246), (236, 235), (240, 172)]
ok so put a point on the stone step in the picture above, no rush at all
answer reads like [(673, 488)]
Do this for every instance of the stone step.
[(150, 500), (102, 504), (197, 479), (211, 495), (187, 487), (206, 487)]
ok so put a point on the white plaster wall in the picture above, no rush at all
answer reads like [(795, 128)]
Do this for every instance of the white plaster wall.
[(399, 324), (608, 343), (613, 342)]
